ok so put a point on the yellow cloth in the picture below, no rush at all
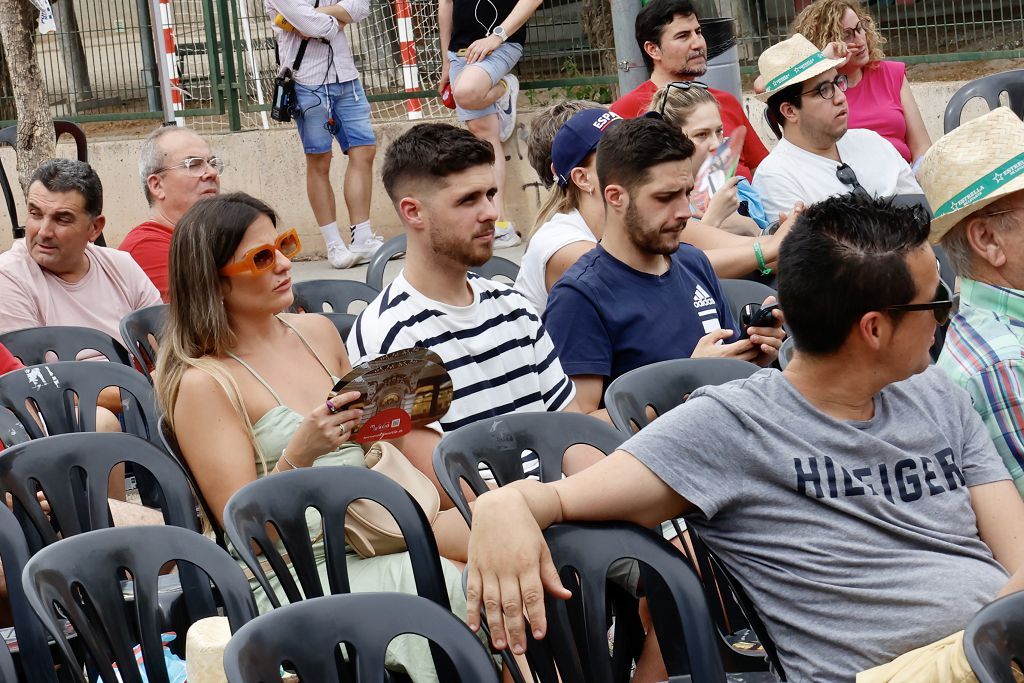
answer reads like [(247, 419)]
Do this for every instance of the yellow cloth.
[(943, 661)]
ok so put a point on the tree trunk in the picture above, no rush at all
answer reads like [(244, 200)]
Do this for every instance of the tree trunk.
[(36, 141)]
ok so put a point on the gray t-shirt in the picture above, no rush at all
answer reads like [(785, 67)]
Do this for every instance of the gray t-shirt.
[(856, 541)]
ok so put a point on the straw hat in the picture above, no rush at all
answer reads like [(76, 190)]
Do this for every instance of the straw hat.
[(971, 167), (794, 60)]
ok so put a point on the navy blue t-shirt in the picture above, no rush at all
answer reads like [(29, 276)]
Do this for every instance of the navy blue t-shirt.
[(606, 318)]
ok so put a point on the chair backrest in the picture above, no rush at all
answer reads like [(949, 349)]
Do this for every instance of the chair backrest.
[(577, 628), (331, 296), (342, 321), (994, 640), (32, 345), (11, 429), (946, 272), (663, 385), (989, 88), (743, 292), (170, 445), (306, 635), (499, 443), (786, 352), (83, 576), (139, 329), (498, 267), (52, 388), (393, 248)]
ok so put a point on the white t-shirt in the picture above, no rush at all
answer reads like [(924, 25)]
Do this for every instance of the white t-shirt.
[(790, 174), (561, 230)]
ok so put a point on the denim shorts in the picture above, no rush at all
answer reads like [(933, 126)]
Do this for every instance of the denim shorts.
[(346, 103), (497, 65)]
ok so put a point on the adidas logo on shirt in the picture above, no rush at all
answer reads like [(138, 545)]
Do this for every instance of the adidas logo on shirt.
[(701, 299)]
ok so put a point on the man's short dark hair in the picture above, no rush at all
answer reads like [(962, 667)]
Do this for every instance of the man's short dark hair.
[(627, 150), (433, 151), (792, 94), (65, 175), (653, 19), (845, 256)]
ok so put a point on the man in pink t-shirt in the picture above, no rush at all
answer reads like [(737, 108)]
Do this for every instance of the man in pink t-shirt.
[(56, 275)]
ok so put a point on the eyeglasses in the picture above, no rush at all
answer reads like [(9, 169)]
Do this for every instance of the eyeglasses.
[(827, 90), (941, 308), (849, 33), (678, 85), (846, 176), (262, 258), (196, 166)]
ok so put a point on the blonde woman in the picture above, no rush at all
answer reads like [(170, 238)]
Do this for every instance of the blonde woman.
[(244, 386), (878, 92)]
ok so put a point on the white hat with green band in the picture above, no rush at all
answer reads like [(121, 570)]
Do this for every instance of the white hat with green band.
[(794, 60), (971, 167)]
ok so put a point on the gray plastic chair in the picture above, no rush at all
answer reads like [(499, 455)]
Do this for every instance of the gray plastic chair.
[(994, 640), (743, 292), (393, 248), (136, 329), (988, 88)]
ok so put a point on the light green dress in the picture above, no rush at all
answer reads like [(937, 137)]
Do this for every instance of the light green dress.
[(391, 573)]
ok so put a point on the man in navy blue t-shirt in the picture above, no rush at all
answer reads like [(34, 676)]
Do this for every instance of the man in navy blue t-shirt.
[(640, 296)]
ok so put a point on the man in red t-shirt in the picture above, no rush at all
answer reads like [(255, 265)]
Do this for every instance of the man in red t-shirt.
[(177, 169), (674, 49)]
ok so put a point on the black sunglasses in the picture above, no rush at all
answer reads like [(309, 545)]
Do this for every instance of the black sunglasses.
[(678, 85), (941, 308), (846, 176)]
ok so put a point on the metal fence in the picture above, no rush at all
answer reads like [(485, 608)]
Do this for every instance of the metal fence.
[(100, 64)]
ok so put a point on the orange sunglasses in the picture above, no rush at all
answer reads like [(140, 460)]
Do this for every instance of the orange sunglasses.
[(261, 259)]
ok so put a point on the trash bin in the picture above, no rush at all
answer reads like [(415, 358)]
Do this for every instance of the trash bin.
[(723, 55)]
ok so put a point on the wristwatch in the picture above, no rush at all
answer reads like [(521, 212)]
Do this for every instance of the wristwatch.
[(499, 31)]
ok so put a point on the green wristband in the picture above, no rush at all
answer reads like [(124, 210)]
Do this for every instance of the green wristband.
[(761, 265)]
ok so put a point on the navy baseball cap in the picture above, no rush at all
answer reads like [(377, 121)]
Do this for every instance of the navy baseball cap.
[(578, 138)]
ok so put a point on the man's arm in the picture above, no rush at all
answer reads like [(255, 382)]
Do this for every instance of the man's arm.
[(1000, 513), (515, 20), (307, 20), (509, 562), (348, 11)]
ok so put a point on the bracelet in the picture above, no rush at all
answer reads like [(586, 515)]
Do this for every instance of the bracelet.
[(289, 462), (761, 265)]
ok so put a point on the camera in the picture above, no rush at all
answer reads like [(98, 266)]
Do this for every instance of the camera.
[(284, 96)]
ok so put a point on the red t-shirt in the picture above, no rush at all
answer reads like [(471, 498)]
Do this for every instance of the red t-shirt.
[(7, 361), (635, 103), (150, 245)]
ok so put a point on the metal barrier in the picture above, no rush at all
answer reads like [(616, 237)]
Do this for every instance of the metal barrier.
[(100, 65)]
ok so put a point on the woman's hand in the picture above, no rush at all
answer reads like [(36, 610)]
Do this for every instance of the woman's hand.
[(324, 430), (723, 204)]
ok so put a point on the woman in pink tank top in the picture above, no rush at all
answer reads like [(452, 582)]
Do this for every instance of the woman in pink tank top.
[(879, 94)]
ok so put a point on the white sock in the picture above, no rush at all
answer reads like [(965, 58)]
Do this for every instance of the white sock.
[(331, 235), (361, 232)]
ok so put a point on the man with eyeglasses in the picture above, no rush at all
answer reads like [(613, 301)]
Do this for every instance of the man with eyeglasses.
[(818, 156), (674, 51), (974, 180), (177, 169)]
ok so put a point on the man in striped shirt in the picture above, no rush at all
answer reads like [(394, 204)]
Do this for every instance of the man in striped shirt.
[(974, 180), (493, 345)]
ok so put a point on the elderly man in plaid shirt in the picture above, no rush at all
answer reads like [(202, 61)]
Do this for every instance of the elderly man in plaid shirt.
[(974, 180)]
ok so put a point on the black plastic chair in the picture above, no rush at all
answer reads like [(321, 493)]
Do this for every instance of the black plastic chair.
[(11, 429), (994, 640), (393, 248), (306, 636), (786, 352), (742, 292), (499, 443), (8, 674), (498, 267), (83, 576), (989, 88), (577, 636), (331, 296), (663, 385), (32, 345), (137, 329)]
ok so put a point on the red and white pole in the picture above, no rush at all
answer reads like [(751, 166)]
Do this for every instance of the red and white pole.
[(170, 57), (407, 44)]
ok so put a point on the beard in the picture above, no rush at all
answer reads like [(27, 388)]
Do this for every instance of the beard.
[(645, 238), (687, 72), (469, 254)]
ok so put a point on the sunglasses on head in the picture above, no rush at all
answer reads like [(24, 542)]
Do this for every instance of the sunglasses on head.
[(941, 308), (677, 85), (262, 258)]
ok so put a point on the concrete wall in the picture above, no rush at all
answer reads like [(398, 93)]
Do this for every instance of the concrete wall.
[(270, 165)]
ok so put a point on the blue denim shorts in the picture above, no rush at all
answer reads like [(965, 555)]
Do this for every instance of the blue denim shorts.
[(496, 64), (346, 103)]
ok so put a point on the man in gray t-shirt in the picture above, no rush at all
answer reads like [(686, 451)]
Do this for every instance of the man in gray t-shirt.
[(856, 496)]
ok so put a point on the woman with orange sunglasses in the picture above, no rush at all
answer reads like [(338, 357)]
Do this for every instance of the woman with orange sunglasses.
[(243, 385)]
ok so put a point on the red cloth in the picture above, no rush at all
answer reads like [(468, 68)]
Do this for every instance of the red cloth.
[(635, 103), (150, 244), (7, 361)]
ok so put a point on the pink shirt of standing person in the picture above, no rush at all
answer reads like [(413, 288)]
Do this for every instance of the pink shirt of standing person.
[(878, 92)]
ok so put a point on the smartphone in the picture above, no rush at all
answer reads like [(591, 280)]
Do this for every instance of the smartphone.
[(754, 315)]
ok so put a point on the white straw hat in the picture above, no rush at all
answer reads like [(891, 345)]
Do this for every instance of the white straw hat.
[(794, 60), (971, 167)]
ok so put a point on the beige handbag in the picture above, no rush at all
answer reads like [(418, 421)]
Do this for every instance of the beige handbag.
[(369, 528)]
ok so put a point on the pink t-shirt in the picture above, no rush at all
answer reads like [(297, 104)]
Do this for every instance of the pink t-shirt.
[(875, 104), (32, 297)]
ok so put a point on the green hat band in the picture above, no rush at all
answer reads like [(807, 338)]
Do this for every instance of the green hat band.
[(984, 186), (790, 74)]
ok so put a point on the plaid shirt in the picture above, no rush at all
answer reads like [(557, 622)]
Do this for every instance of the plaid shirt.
[(984, 354)]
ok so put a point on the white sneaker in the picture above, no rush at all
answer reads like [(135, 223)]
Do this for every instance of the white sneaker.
[(506, 105), (339, 256), (505, 235), (365, 250)]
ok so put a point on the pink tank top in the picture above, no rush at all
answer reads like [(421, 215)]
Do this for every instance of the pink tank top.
[(875, 104)]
